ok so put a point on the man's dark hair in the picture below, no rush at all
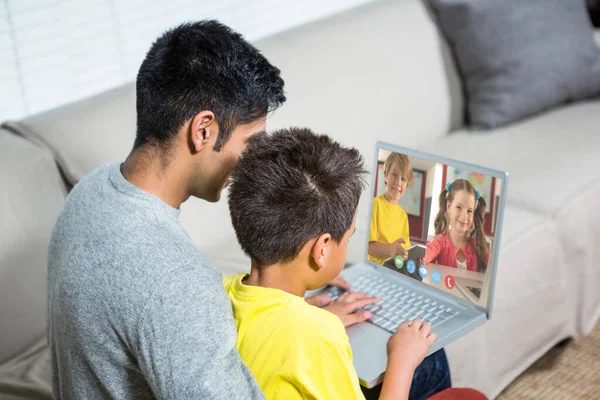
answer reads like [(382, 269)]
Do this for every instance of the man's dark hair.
[(203, 66), (291, 187)]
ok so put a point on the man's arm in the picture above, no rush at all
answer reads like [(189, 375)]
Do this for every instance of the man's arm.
[(186, 340)]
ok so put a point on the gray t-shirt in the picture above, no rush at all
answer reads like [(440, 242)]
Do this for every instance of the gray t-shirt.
[(135, 310)]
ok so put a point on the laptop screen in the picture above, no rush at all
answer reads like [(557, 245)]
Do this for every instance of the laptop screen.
[(437, 221)]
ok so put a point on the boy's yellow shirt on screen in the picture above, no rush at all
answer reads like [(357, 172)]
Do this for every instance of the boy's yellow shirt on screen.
[(389, 222), (294, 350)]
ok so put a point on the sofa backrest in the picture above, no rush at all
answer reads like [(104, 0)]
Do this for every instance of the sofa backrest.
[(85, 134), (31, 195), (381, 71), (378, 72)]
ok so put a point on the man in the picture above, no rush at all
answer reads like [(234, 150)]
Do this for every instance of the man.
[(134, 308)]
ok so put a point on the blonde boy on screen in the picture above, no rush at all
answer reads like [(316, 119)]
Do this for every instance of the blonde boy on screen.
[(389, 235)]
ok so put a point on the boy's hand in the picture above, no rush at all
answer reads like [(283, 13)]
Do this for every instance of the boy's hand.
[(321, 300), (410, 344), (346, 305), (398, 250), (340, 282)]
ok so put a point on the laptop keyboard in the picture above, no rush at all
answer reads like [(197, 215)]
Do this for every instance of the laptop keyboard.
[(397, 304)]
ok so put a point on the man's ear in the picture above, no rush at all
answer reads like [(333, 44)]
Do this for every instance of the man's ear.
[(203, 129), (320, 249)]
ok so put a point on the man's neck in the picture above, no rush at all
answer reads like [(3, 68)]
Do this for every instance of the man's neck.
[(278, 276), (144, 169)]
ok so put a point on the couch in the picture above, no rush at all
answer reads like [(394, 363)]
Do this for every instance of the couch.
[(382, 72)]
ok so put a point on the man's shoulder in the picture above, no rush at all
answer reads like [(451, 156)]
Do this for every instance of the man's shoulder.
[(89, 199), (92, 181)]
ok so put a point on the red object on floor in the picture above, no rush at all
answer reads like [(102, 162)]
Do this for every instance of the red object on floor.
[(458, 394)]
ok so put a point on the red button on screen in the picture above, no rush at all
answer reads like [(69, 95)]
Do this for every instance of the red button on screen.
[(449, 280)]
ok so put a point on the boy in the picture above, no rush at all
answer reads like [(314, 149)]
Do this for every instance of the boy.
[(389, 235), (293, 202)]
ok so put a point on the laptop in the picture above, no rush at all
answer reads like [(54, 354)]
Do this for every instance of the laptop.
[(470, 288), (454, 300)]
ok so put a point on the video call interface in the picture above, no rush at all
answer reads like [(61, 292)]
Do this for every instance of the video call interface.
[(435, 223)]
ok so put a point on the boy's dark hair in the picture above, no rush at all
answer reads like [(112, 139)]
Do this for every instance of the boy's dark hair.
[(291, 187), (203, 66)]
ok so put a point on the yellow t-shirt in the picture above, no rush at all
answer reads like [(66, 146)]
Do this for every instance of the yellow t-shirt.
[(294, 350), (389, 222)]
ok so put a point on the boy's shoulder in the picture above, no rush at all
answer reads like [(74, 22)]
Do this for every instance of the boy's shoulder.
[(379, 200), (228, 281), (317, 314), (287, 312), (403, 214), (319, 327)]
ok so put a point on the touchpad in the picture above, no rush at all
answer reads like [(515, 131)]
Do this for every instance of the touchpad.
[(369, 350)]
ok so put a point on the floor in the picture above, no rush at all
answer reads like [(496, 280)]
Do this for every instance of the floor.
[(570, 370)]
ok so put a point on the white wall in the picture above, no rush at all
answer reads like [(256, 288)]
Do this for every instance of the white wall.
[(57, 51), (435, 199), (430, 184)]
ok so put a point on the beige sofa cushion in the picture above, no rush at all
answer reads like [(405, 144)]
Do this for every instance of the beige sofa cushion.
[(28, 376), (30, 200)]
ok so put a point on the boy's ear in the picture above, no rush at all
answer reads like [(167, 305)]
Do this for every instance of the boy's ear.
[(320, 249)]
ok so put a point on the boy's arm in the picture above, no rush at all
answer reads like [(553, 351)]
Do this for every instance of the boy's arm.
[(330, 373), (406, 231), (406, 350), (184, 340), (398, 384)]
